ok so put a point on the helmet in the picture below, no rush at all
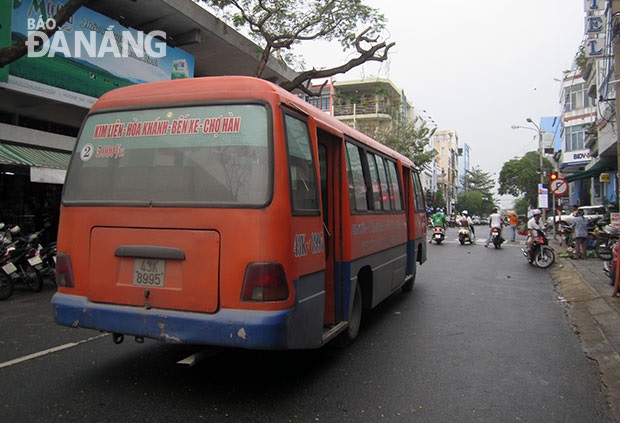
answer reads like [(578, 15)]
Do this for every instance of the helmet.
[(438, 210), (536, 212), (464, 212)]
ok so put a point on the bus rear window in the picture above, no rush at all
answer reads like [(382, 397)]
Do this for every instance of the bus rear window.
[(209, 155)]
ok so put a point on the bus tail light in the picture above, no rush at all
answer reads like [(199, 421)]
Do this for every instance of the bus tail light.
[(264, 282), (64, 270)]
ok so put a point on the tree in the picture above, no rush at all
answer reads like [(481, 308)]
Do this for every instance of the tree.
[(439, 200), (521, 177), (411, 138), (279, 25), (12, 53), (471, 201), (477, 181)]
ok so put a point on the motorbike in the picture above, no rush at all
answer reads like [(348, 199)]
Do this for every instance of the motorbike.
[(609, 266), (540, 254), (439, 234), (496, 237), (48, 258), (20, 261), (606, 238), (465, 235)]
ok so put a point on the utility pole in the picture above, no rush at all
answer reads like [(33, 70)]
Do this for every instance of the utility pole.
[(615, 10)]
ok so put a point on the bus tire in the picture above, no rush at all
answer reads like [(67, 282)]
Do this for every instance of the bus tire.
[(347, 337), (408, 286)]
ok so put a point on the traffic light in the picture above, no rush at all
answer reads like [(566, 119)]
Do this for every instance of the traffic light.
[(553, 176)]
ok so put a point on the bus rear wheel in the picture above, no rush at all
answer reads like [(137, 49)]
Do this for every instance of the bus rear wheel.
[(355, 320)]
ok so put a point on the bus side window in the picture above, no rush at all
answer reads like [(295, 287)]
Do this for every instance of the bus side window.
[(355, 174), (302, 176), (418, 194), (394, 185), (385, 194), (374, 181)]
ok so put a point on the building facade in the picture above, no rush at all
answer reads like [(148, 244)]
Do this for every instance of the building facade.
[(588, 159), (446, 143)]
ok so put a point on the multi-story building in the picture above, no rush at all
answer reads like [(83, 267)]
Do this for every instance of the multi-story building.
[(446, 144), (464, 165), (588, 159), (578, 115), (371, 106)]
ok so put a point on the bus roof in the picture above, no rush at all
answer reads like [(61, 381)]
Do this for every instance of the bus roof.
[(190, 90)]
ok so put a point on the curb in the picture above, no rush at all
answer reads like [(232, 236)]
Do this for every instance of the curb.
[(596, 320)]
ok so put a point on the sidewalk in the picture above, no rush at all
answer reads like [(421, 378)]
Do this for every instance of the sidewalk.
[(583, 285)]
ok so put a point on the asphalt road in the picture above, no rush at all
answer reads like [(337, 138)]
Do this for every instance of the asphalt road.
[(483, 337)]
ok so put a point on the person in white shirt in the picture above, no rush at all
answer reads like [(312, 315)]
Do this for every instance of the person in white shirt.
[(495, 221), (466, 222), (533, 225)]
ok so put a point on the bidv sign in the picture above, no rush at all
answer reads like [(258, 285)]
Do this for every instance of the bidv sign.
[(578, 157)]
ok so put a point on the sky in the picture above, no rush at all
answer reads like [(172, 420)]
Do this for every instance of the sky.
[(477, 67)]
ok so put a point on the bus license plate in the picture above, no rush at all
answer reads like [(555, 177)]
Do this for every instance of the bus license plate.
[(148, 272)]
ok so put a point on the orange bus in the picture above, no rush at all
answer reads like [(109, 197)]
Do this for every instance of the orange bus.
[(227, 211)]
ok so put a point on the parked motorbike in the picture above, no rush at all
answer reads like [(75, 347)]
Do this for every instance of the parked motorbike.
[(20, 261), (48, 257), (606, 238), (540, 254), (609, 266), (465, 236), (496, 237), (439, 234), (28, 261)]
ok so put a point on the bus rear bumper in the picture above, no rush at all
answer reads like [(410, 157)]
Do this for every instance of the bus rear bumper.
[(254, 329)]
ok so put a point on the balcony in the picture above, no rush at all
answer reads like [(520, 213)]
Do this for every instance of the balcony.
[(357, 109)]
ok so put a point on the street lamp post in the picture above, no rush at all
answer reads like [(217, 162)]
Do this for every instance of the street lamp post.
[(540, 159), (540, 152)]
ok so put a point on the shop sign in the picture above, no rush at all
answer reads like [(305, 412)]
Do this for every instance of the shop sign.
[(577, 157)]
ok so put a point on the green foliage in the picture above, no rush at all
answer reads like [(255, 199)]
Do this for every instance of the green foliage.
[(520, 177), (439, 200), (477, 195), (411, 138), (521, 206), (470, 201)]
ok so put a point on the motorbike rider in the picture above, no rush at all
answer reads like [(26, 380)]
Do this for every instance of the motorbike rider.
[(495, 221), (439, 219), (533, 225), (466, 222)]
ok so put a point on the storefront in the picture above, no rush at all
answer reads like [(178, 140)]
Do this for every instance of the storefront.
[(30, 187)]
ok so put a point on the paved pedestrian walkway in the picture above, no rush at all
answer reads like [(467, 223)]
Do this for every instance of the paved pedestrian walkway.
[(595, 315)]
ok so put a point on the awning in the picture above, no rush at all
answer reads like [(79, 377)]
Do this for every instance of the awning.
[(33, 157), (595, 170)]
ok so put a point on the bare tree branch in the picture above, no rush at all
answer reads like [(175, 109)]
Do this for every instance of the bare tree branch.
[(374, 53)]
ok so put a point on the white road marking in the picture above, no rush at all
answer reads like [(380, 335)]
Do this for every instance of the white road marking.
[(49, 351)]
